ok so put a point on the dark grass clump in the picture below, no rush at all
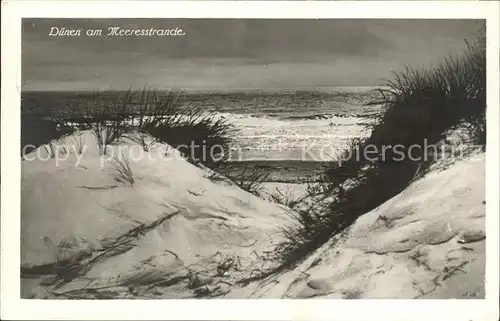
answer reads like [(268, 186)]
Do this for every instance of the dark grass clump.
[(285, 198), (250, 179), (45, 117), (105, 113), (121, 170), (477, 131), (420, 106), (200, 136), (40, 130), (107, 117)]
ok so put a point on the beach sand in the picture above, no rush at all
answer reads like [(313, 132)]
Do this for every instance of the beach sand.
[(178, 233), (173, 222), (426, 242)]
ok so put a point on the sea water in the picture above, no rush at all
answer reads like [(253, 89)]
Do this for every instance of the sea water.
[(294, 125)]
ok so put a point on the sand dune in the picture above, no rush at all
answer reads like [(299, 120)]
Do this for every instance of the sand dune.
[(426, 242), (178, 233), (172, 217)]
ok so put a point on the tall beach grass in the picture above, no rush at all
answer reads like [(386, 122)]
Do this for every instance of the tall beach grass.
[(420, 105)]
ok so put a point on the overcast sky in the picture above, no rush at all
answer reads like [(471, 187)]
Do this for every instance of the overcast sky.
[(220, 54)]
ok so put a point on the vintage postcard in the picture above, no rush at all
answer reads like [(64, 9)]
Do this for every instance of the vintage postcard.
[(161, 159)]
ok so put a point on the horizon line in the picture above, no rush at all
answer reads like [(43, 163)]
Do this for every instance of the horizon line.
[(216, 90)]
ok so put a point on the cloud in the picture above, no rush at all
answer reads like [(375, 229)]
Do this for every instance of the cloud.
[(216, 48)]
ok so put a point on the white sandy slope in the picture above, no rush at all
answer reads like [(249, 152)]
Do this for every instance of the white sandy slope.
[(177, 234), (170, 234), (426, 242)]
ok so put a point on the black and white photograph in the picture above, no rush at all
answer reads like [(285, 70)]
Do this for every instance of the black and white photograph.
[(247, 158)]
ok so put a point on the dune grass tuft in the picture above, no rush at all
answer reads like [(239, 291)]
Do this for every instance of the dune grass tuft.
[(107, 118), (199, 135), (79, 143), (143, 139), (248, 178), (121, 170), (286, 198), (251, 179)]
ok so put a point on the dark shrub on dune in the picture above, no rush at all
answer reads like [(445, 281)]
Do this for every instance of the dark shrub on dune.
[(199, 135), (209, 147)]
